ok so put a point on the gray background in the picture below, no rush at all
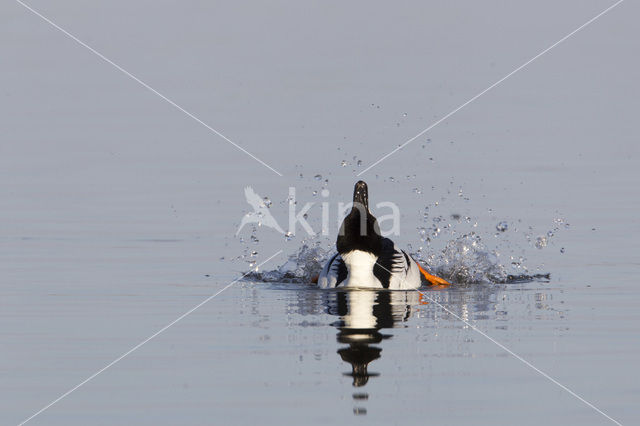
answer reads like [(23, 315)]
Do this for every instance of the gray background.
[(115, 205)]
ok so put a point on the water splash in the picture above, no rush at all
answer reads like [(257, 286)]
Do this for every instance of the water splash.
[(301, 267), (464, 260)]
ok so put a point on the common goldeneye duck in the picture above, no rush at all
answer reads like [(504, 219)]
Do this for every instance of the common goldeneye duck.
[(366, 259)]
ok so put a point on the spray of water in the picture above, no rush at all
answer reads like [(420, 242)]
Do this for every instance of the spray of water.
[(464, 260), (449, 245)]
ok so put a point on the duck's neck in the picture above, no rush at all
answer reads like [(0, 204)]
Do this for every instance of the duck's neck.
[(360, 269), (359, 232)]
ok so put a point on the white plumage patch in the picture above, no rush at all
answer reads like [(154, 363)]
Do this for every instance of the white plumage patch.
[(360, 269), (356, 269)]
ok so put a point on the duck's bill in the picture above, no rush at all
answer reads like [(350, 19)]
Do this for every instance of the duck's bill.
[(433, 279), (361, 194)]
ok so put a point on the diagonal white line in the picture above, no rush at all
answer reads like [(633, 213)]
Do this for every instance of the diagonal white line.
[(136, 347), (492, 86), (142, 83), (509, 351), (518, 357)]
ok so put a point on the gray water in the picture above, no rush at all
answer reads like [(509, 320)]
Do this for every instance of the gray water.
[(118, 212)]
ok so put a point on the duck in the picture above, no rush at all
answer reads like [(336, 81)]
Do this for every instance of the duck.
[(367, 260)]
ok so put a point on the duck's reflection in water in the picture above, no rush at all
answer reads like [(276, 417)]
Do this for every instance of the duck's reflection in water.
[(363, 314)]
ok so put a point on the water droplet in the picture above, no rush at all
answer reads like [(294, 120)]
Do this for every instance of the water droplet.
[(267, 202), (404, 115), (562, 250), (550, 234), (541, 242), (423, 234), (318, 177), (502, 226), (288, 236), (359, 163), (417, 190), (343, 163)]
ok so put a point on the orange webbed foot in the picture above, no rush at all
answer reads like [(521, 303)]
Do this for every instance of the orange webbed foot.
[(433, 279)]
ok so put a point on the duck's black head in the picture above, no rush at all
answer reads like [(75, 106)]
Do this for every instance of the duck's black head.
[(359, 230)]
